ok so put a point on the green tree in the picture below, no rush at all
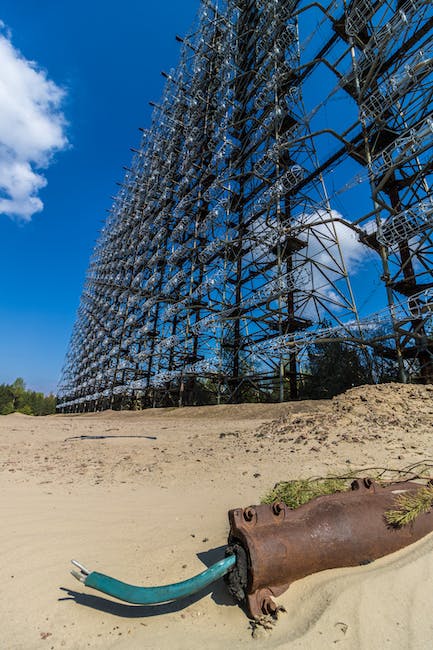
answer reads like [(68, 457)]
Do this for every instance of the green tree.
[(15, 397), (333, 368), (48, 406), (18, 389), (6, 400), (26, 410)]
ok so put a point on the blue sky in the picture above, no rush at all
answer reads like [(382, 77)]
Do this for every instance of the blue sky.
[(107, 57)]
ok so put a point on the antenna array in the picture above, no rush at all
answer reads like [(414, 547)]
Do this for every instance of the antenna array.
[(291, 149)]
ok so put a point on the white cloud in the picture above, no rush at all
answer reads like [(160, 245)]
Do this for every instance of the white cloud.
[(326, 228), (335, 251), (32, 129)]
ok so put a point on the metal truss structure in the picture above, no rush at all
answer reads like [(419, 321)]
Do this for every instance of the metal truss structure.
[(288, 129)]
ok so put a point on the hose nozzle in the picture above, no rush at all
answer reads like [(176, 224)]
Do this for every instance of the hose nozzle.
[(83, 572)]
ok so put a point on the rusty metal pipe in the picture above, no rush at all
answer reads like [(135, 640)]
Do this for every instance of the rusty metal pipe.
[(275, 545)]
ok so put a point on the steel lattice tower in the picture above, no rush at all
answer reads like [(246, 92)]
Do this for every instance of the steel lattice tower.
[(223, 257)]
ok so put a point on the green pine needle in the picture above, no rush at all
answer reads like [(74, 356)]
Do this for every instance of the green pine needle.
[(410, 506), (297, 492)]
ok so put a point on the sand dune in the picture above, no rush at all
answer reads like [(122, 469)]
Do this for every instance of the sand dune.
[(144, 497)]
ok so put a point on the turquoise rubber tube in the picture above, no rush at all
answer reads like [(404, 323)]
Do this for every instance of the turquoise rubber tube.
[(162, 594)]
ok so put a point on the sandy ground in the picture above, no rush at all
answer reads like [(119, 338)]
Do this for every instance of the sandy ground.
[(148, 503)]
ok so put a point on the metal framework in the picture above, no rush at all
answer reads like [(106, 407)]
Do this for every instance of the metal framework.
[(287, 129)]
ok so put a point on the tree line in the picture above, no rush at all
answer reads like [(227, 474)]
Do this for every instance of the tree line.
[(16, 398), (335, 366)]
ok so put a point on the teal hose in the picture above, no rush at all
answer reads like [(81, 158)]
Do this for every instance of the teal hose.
[(154, 595)]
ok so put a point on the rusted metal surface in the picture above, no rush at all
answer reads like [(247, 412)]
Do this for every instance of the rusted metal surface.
[(276, 545)]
